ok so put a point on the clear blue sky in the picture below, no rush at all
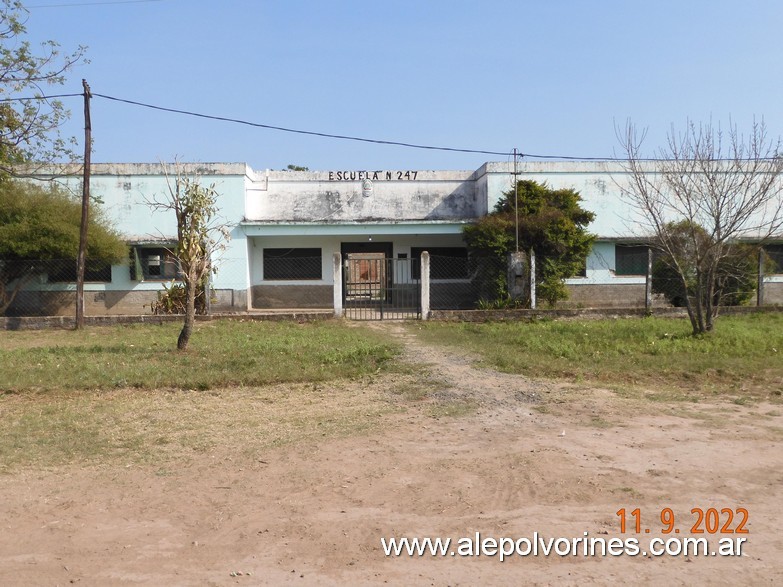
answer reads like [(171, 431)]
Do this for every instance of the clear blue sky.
[(549, 77)]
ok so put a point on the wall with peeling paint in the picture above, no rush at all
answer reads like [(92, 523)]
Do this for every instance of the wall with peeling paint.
[(295, 196)]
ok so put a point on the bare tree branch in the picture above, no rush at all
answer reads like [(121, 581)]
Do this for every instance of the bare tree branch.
[(201, 235), (713, 186)]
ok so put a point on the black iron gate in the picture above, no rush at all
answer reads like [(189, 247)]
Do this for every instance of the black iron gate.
[(379, 288)]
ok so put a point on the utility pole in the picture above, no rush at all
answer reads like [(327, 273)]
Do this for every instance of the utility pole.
[(81, 258), (516, 204)]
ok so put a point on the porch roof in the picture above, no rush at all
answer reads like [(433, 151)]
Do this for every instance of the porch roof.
[(266, 228)]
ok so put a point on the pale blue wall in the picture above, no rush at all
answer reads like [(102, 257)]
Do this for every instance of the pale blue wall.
[(122, 192), (244, 193)]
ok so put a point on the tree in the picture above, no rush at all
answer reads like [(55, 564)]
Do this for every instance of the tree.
[(292, 167), (551, 223), (29, 124), (737, 273), (40, 224), (698, 198), (199, 238)]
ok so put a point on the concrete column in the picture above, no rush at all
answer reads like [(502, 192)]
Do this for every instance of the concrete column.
[(532, 279), (648, 282), (337, 276), (425, 285), (760, 289), (515, 277)]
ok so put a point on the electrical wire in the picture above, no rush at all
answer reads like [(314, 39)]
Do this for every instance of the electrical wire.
[(313, 133), (91, 3), (337, 136), (298, 131), (40, 97)]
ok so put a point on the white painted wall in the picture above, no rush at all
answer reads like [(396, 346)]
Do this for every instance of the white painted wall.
[(326, 196)]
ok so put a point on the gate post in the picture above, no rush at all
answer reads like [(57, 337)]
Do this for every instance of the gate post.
[(515, 276), (425, 285), (648, 282), (337, 276), (760, 290), (532, 279)]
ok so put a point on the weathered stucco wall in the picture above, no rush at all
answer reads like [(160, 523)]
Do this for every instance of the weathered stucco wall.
[(340, 196)]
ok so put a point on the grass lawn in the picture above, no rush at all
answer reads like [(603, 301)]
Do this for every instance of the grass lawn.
[(742, 357), (125, 394), (221, 354)]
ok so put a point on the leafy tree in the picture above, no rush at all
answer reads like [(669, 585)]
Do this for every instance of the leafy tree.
[(199, 238), (552, 223), (40, 224), (698, 197), (292, 167), (29, 125)]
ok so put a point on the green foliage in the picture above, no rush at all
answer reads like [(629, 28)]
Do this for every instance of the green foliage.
[(41, 223), (551, 222), (552, 289), (499, 303), (29, 127), (292, 167), (229, 353), (173, 300), (657, 354)]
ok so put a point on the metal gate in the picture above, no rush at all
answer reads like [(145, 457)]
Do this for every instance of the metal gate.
[(378, 288)]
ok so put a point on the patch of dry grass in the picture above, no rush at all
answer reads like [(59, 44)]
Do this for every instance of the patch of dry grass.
[(157, 427)]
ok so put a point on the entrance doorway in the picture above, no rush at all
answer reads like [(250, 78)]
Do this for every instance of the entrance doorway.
[(375, 285)]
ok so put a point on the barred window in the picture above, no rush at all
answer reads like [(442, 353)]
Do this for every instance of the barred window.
[(775, 252), (292, 264), (445, 262), (630, 260), (65, 271), (153, 263)]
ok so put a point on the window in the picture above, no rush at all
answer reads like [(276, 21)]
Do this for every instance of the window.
[(153, 263), (775, 253), (630, 260), (292, 264), (94, 271), (445, 262)]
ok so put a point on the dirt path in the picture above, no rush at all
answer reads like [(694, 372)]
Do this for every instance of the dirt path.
[(523, 457)]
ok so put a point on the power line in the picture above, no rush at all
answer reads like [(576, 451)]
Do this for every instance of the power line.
[(337, 136), (314, 133), (299, 131), (40, 98), (91, 3)]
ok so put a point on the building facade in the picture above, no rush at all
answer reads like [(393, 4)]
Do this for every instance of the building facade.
[(286, 227)]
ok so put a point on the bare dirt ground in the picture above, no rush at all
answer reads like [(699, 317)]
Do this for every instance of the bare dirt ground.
[(484, 452)]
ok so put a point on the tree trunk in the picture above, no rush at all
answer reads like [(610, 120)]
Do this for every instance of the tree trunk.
[(710, 301), (689, 304), (190, 314), (700, 301)]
